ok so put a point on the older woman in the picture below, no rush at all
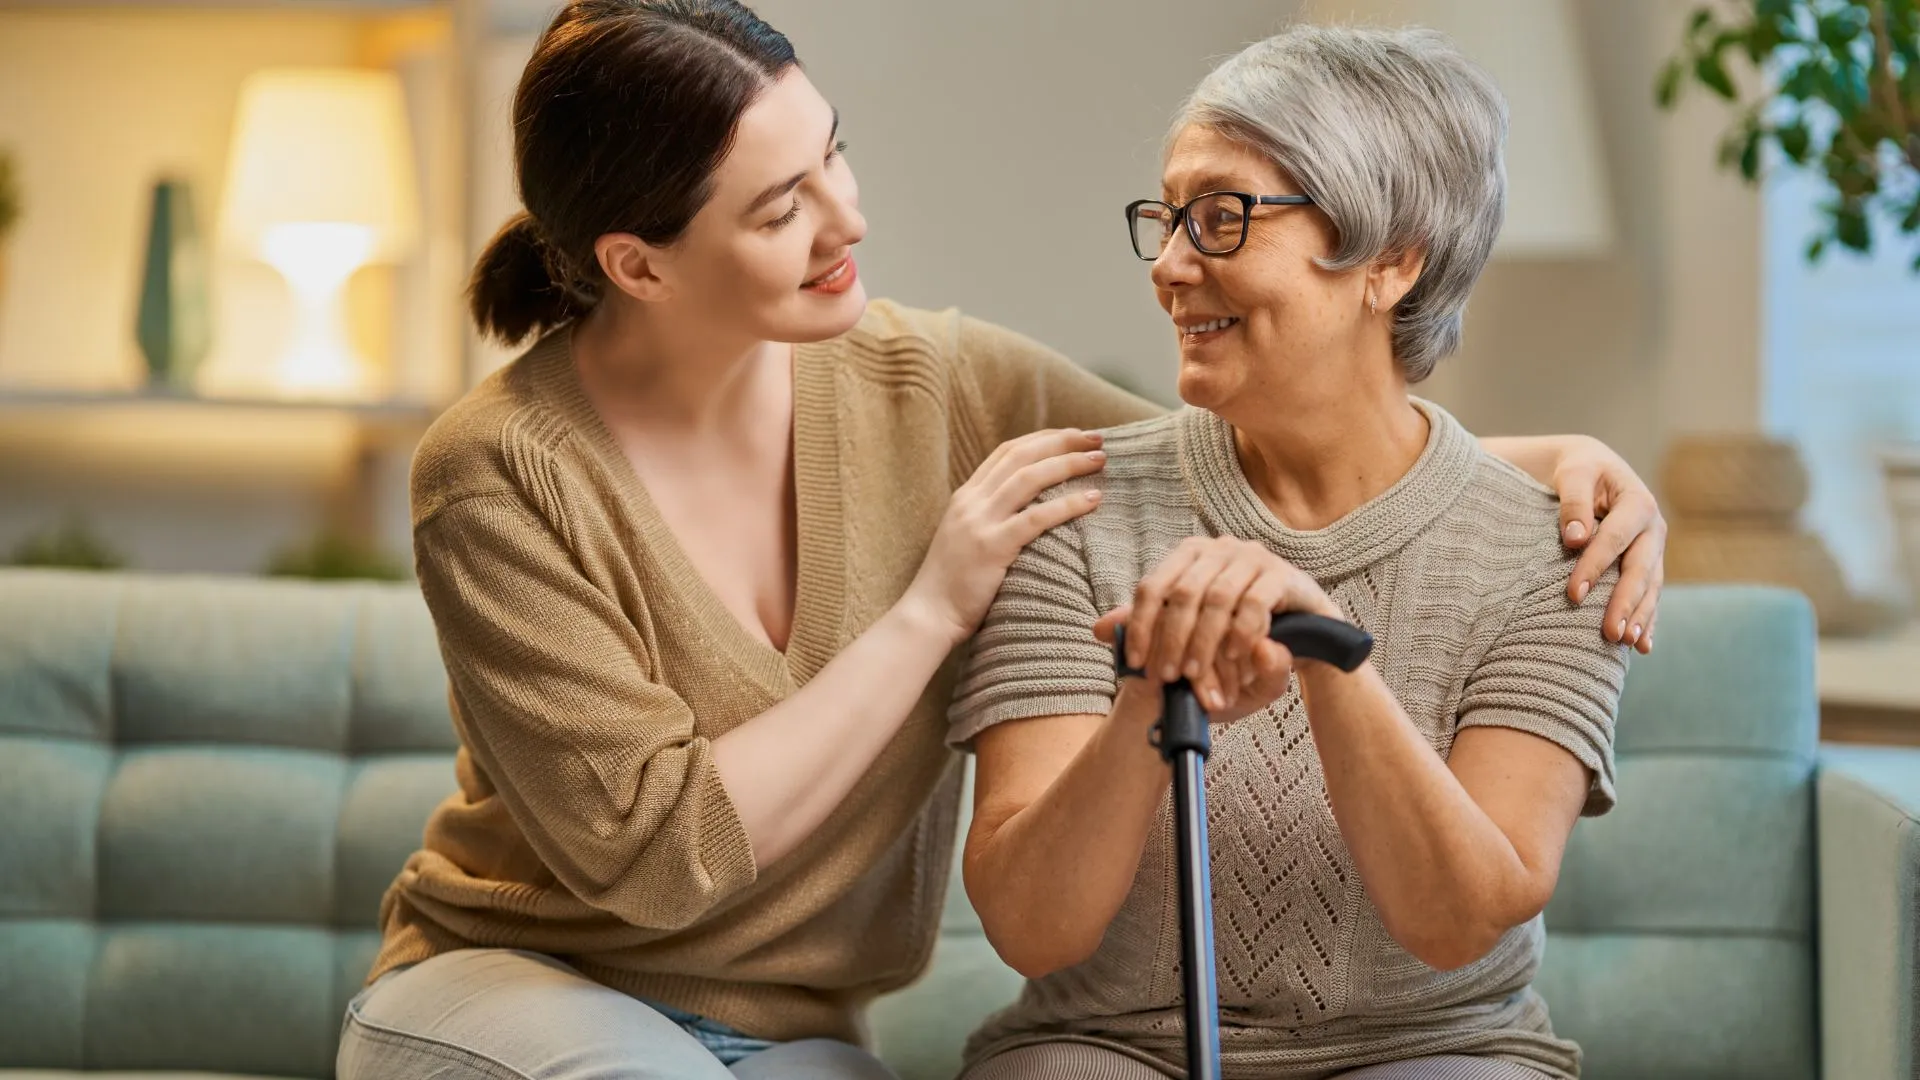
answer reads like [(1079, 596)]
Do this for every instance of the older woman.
[(1384, 841)]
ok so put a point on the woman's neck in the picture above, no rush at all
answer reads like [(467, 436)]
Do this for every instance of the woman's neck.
[(1319, 453), (644, 369)]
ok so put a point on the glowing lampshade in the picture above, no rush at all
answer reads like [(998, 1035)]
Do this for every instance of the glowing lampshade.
[(320, 182), (1557, 204)]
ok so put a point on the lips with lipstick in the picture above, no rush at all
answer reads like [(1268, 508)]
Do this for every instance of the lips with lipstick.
[(838, 279)]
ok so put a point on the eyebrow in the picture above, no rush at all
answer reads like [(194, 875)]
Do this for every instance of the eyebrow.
[(775, 190), (1208, 182)]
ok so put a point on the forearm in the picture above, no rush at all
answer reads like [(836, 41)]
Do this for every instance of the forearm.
[(1048, 878), (788, 768), (1446, 881), (1535, 455)]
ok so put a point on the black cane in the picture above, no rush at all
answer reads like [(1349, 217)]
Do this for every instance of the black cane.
[(1183, 739)]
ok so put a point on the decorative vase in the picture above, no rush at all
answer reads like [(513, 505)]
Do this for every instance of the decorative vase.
[(1735, 502), (1742, 477), (174, 324)]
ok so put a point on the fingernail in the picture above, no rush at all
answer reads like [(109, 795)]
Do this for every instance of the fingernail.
[(1585, 588), (1096, 436), (1192, 669), (1096, 455), (1093, 496), (1247, 679), (1636, 632), (1623, 628), (1216, 699), (1169, 673), (1648, 644), (1576, 531)]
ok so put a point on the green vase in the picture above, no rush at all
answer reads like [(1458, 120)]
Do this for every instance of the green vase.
[(174, 327)]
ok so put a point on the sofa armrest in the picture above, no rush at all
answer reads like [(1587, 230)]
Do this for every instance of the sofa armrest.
[(1869, 853)]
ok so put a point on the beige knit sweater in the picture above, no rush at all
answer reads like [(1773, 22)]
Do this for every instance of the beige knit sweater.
[(591, 667), (1459, 573)]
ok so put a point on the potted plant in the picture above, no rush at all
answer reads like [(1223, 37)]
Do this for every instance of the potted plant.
[(1837, 92), (71, 545), (335, 556)]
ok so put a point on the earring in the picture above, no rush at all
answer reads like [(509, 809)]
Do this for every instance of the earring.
[(1373, 303)]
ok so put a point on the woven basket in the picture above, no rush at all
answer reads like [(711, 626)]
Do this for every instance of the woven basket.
[(1752, 479), (1794, 560)]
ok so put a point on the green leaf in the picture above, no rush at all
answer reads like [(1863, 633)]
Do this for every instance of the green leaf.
[(1794, 139), (1701, 17), (1773, 9), (1816, 248), (1667, 90), (1837, 29), (1850, 226), (1911, 222), (1916, 264), (1713, 75), (1803, 81), (1750, 157)]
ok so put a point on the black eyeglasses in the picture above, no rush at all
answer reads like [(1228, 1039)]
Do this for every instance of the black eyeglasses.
[(1216, 221)]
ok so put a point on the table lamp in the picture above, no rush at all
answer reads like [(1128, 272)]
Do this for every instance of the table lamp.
[(320, 182), (1557, 204)]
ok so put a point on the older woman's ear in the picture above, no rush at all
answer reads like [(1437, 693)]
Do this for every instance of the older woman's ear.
[(1393, 277)]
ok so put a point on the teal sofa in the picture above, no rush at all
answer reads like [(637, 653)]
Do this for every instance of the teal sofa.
[(206, 784)]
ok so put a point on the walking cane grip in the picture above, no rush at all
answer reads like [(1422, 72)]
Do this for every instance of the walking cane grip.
[(1184, 739)]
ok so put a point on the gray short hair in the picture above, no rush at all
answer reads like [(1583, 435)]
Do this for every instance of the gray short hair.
[(1397, 136)]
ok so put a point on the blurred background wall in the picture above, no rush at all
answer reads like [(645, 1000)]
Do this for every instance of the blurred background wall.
[(995, 143)]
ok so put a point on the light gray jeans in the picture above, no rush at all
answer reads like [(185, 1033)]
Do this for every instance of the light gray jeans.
[(502, 1014)]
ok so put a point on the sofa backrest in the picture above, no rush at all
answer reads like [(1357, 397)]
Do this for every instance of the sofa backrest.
[(1681, 937), (205, 786)]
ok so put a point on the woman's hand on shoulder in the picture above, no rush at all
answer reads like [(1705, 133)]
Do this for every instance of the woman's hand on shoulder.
[(993, 516), (1609, 515)]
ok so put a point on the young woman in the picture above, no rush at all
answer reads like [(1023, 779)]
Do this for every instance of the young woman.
[(698, 561)]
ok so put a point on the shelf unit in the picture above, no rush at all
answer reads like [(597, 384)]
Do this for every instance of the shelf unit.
[(367, 505), (1870, 688), (387, 415)]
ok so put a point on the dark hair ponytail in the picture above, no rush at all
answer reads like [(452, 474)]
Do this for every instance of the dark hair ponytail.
[(621, 117), (514, 292)]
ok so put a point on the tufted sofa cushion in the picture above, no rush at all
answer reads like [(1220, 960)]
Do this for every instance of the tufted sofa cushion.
[(1681, 936), (205, 785)]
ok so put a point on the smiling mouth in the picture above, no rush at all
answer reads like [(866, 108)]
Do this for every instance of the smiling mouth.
[(839, 271), (1203, 331)]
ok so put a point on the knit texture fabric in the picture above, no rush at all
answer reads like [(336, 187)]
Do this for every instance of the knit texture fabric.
[(592, 667), (1459, 573)]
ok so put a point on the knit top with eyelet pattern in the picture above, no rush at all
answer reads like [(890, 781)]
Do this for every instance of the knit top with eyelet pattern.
[(1459, 573)]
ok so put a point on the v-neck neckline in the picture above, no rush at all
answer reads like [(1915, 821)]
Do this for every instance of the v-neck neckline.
[(819, 555)]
